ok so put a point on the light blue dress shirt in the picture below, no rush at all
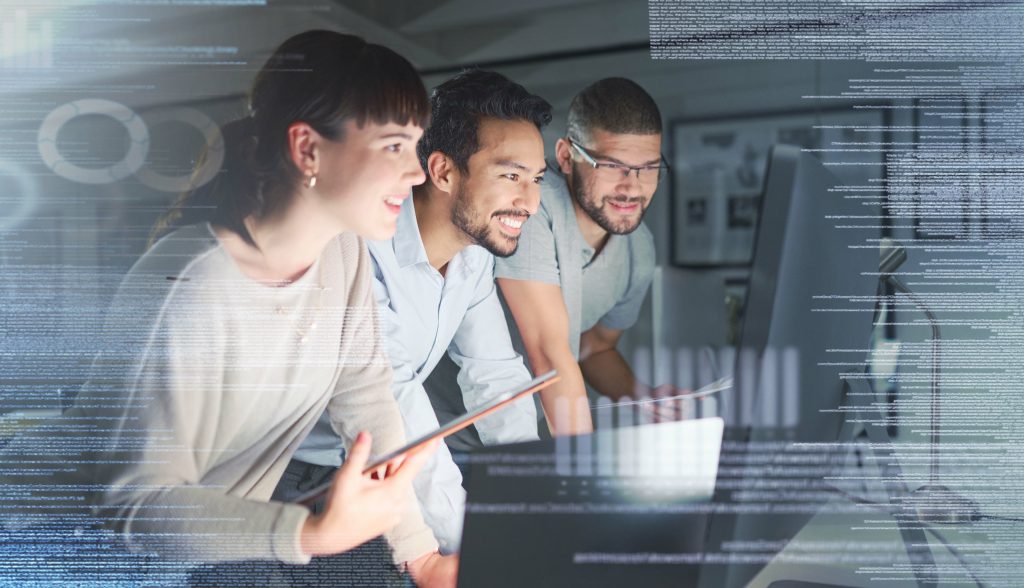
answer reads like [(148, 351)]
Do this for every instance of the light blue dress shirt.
[(426, 315)]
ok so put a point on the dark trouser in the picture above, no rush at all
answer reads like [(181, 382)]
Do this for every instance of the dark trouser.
[(368, 565), (301, 477)]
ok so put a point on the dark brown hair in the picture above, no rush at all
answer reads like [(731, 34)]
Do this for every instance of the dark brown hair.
[(322, 78), (616, 105), (459, 104)]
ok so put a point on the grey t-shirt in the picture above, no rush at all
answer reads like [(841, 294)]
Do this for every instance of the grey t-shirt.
[(552, 250)]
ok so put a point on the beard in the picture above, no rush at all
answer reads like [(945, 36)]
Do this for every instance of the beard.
[(595, 208), (477, 225)]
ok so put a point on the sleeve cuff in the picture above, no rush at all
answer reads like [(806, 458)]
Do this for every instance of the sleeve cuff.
[(618, 324), (526, 275), (287, 533), (410, 547)]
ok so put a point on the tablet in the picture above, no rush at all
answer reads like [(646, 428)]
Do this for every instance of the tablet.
[(535, 385), (719, 385)]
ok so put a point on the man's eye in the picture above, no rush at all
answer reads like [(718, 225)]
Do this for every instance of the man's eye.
[(513, 177), (538, 180), (612, 166), (394, 148)]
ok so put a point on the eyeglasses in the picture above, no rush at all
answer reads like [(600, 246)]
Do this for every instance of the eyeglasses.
[(648, 175)]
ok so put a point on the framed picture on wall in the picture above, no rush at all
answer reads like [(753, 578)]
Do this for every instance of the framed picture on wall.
[(940, 207), (719, 166)]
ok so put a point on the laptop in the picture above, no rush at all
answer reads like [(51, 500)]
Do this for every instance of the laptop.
[(620, 507)]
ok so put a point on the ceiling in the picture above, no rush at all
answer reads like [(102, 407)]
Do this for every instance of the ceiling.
[(170, 50)]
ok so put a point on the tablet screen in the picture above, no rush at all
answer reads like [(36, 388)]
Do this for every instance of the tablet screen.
[(528, 388)]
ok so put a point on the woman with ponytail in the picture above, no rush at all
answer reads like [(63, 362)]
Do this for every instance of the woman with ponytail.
[(253, 314)]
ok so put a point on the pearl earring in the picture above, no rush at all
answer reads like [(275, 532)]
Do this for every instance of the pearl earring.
[(310, 181)]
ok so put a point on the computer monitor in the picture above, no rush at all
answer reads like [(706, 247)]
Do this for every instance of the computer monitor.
[(809, 311), (810, 304)]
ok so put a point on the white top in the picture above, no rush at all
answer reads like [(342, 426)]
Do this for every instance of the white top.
[(209, 382)]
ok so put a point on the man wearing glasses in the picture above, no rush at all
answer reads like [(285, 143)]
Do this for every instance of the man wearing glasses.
[(585, 261)]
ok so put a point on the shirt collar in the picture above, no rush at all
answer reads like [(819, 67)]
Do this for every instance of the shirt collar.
[(409, 248), (587, 252), (408, 242)]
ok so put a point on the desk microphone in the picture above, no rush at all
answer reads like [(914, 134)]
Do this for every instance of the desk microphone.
[(933, 502)]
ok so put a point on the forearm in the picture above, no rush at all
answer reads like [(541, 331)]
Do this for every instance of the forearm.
[(608, 373), (565, 402), (194, 524)]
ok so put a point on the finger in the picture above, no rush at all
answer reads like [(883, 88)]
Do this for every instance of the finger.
[(392, 465), (396, 463), (667, 411), (658, 411), (357, 457), (648, 412), (673, 411), (663, 413), (654, 412), (414, 460)]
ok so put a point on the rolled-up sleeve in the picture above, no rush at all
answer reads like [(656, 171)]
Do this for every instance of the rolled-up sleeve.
[(489, 366)]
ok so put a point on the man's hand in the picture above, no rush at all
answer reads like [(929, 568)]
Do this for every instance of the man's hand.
[(434, 570), (669, 410)]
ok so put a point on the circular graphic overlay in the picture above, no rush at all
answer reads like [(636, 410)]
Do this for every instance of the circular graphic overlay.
[(60, 116), (14, 211), (214, 152)]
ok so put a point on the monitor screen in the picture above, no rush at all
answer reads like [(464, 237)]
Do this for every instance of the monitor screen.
[(809, 316)]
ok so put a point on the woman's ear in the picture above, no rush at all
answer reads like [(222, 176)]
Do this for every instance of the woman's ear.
[(304, 148)]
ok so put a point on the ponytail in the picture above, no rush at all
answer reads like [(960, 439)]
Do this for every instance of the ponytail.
[(233, 194)]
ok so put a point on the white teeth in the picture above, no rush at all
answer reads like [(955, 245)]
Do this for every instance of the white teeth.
[(510, 222), (394, 201)]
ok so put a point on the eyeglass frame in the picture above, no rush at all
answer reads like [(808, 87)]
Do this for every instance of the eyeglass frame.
[(594, 163)]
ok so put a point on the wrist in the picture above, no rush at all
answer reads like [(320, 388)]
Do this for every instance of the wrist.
[(309, 536), (414, 566)]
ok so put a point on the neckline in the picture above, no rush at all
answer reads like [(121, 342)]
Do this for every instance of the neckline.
[(307, 278)]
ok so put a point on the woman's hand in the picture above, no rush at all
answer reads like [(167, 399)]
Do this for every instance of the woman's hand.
[(359, 507)]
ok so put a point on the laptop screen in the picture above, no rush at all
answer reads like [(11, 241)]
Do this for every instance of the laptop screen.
[(623, 506)]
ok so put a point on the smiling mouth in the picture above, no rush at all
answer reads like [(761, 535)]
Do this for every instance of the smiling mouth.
[(394, 203), (512, 222), (622, 206)]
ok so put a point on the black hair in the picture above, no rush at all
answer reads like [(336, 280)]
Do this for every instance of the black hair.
[(459, 104), (615, 105), (322, 78)]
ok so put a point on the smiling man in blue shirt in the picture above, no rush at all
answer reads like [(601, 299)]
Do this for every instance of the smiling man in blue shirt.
[(484, 159)]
